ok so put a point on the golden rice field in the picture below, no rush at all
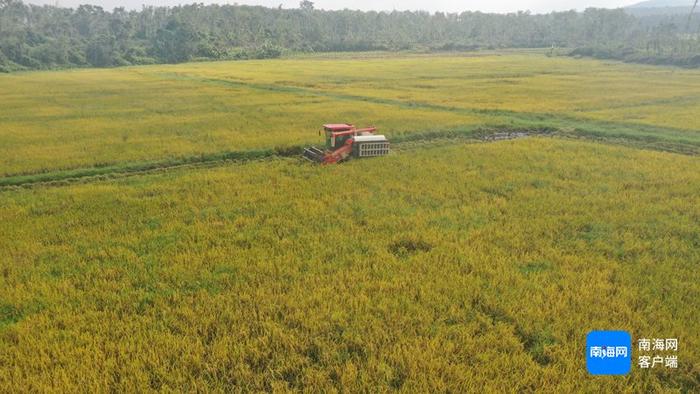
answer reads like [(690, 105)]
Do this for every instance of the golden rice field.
[(72, 119), (451, 265), (511, 82), (437, 271)]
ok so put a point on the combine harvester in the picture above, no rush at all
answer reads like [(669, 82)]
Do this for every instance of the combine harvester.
[(344, 141)]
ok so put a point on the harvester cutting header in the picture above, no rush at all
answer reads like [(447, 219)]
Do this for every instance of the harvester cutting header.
[(344, 141)]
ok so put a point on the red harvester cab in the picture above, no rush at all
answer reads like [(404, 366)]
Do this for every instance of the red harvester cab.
[(344, 141)]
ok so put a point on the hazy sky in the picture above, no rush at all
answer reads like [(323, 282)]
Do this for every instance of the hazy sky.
[(429, 5)]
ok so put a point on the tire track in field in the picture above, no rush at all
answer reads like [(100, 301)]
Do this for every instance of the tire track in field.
[(62, 177), (675, 100), (401, 143)]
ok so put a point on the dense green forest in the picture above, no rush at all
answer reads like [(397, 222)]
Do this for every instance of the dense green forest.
[(39, 37)]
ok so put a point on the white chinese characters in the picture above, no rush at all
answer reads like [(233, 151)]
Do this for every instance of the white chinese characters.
[(608, 351), (661, 347)]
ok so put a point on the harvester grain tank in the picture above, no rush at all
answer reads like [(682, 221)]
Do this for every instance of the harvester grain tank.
[(345, 141)]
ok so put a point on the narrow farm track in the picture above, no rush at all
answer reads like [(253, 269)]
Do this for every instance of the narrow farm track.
[(87, 174), (479, 135)]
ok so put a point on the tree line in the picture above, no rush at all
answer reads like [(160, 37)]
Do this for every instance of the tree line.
[(42, 37)]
